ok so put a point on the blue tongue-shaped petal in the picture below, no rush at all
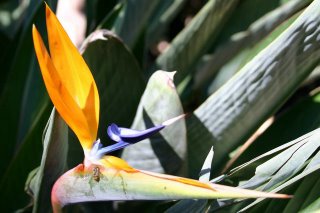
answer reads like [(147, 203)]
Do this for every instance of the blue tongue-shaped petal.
[(125, 136), (134, 136)]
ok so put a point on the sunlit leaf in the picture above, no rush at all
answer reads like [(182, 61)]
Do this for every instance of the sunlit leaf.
[(160, 102), (234, 112)]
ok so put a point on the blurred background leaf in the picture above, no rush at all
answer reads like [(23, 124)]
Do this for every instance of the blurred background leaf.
[(193, 41)]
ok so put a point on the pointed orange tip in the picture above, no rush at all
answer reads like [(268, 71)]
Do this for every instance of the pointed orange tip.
[(34, 29), (78, 104)]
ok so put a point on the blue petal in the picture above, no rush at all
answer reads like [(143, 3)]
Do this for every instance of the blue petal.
[(129, 135), (134, 136), (114, 132), (111, 148), (125, 137)]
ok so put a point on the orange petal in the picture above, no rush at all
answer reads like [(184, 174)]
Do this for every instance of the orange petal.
[(116, 163), (77, 77), (60, 96)]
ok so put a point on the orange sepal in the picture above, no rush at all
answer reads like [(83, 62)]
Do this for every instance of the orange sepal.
[(77, 77), (60, 95)]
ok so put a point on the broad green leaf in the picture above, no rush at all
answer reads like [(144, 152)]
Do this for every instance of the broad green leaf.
[(283, 186), (119, 81), (53, 163), (313, 207), (110, 19), (166, 11), (193, 41), (284, 165), (96, 11), (34, 98), (232, 55), (300, 119), (234, 112), (21, 78), (301, 193), (246, 167), (283, 171), (164, 152), (132, 20)]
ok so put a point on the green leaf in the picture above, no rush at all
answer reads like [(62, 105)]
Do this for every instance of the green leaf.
[(110, 19), (96, 11), (313, 207), (286, 184), (166, 11), (301, 193), (283, 171), (190, 206), (204, 174), (20, 103), (284, 165), (53, 163), (133, 19), (232, 55), (119, 81), (165, 152), (189, 45), (234, 112), (300, 119)]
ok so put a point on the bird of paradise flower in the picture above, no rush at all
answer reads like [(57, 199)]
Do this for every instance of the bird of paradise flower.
[(75, 96)]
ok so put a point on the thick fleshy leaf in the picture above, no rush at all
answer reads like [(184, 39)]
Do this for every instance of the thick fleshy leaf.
[(133, 19), (234, 112), (300, 119), (96, 12), (247, 33), (283, 169), (160, 102), (165, 12), (109, 20), (114, 179), (189, 45)]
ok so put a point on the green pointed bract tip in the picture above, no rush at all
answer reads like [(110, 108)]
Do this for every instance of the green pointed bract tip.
[(100, 183)]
